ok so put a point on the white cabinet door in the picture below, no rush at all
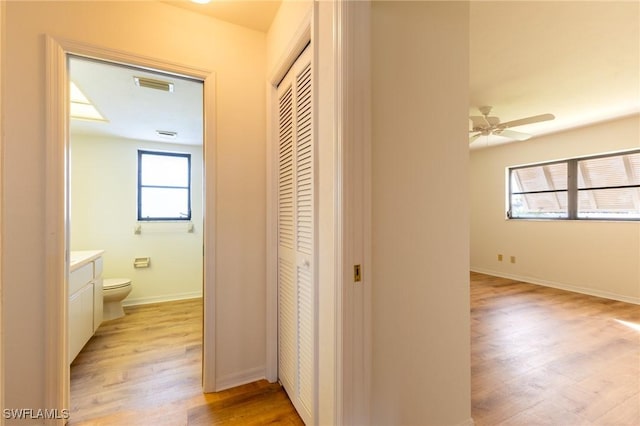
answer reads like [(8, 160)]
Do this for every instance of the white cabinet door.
[(296, 236), (75, 315), (80, 320)]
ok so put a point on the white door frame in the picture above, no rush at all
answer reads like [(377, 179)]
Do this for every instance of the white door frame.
[(352, 197), (353, 214), (2, 65), (301, 38), (57, 207)]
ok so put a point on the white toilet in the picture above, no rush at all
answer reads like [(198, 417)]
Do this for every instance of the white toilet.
[(114, 291)]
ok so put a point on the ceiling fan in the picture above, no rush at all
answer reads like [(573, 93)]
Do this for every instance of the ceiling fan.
[(485, 125)]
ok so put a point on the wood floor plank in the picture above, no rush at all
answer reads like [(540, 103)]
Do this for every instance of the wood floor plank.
[(145, 369), (539, 356), (542, 356)]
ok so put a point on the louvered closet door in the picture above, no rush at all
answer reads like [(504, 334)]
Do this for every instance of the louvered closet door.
[(296, 229)]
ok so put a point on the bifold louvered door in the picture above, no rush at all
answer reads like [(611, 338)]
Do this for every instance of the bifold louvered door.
[(296, 229)]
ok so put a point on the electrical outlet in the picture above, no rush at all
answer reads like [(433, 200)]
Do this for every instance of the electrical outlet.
[(513, 259), (499, 258)]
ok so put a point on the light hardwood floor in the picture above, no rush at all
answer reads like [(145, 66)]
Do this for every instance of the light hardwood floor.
[(541, 356), (145, 369)]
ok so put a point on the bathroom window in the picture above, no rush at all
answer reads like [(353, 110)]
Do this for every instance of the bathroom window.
[(164, 185)]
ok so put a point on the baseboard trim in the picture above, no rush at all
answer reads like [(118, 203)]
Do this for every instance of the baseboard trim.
[(163, 298), (241, 378), (560, 286)]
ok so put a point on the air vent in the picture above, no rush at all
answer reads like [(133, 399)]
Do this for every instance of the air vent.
[(167, 134), (150, 83)]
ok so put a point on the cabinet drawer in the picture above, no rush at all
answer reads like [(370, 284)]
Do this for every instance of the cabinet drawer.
[(80, 277)]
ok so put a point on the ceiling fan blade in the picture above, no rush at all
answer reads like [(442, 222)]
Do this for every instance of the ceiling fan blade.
[(472, 138), (512, 134), (528, 120)]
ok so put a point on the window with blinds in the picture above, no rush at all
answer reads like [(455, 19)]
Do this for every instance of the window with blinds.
[(598, 187)]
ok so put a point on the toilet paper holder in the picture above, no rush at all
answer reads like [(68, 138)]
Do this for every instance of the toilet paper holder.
[(141, 262)]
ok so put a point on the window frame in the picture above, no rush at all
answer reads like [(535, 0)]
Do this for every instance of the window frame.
[(141, 153), (572, 190)]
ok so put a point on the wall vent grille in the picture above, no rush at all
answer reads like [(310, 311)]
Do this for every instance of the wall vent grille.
[(151, 83), (167, 133)]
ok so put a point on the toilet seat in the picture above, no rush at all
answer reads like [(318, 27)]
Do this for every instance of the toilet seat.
[(114, 283)]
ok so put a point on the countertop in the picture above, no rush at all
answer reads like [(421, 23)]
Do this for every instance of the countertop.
[(80, 258)]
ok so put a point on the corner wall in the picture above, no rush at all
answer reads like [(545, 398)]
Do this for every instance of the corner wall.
[(421, 341), (593, 257)]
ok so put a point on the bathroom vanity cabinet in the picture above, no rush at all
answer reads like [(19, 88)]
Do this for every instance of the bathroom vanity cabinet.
[(85, 298)]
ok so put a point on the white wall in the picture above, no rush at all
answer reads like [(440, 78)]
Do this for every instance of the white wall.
[(287, 21), (594, 257), (103, 211), (157, 30), (421, 370)]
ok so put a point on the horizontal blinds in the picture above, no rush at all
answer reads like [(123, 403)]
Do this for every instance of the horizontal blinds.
[(603, 187)]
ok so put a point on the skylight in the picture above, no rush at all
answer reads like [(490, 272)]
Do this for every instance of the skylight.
[(80, 106)]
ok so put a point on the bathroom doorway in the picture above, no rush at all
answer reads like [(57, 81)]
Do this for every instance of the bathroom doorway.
[(135, 176), (59, 53), (135, 189)]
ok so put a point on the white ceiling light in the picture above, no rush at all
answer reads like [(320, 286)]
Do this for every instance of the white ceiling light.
[(201, 1), (80, 107)]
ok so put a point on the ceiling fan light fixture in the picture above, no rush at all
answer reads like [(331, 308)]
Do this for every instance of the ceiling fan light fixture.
[(486, 125)]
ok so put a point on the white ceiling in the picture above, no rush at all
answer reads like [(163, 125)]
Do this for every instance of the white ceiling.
[(577, 60), (254, 14), (134, 112)]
